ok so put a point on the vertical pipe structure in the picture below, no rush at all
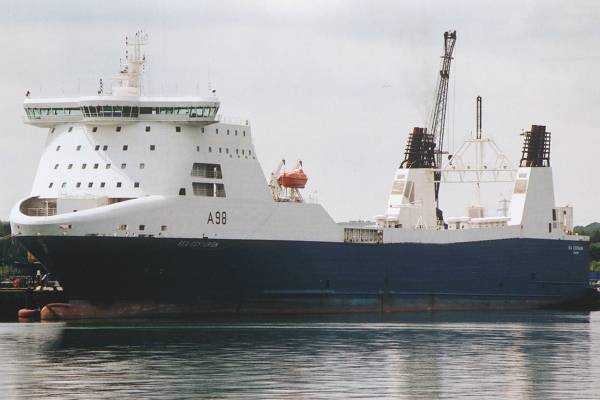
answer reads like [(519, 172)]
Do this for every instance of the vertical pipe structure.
[(438, 114)]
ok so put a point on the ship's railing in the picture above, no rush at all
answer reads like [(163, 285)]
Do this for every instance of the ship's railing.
[(39, 211), (363, 235)]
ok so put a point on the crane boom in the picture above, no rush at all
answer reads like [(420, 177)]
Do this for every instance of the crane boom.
[(437, 121)]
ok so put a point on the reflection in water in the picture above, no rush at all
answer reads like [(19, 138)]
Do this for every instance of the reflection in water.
[(418, 355)]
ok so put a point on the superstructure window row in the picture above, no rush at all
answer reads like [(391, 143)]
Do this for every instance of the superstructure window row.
[(134, 112)]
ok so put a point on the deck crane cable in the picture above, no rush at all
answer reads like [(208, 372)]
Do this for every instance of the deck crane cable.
[(437, 120)]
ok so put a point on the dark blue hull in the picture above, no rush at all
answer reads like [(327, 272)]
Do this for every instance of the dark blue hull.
[(222, 276)]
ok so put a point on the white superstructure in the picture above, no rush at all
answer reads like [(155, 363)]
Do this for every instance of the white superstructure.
[(126, 165)]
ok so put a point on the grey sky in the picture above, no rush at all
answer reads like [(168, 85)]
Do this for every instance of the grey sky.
[(338, 84)]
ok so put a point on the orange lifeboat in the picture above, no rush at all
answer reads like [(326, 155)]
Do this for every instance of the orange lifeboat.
[(296, 179)]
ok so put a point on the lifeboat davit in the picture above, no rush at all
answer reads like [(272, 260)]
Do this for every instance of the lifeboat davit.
[(296, 179)]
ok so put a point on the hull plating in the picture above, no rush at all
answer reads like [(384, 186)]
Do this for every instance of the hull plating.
[(169, 276)]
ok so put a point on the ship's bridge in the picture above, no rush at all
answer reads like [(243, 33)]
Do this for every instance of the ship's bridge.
[(112, 109)]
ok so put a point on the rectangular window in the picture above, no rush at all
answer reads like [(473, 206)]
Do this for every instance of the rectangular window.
[(97, 147), (197, 148), (78, 184), (102, 184), (95, 129), (64, 185), (118, 129), (125, 147), (163, 228), (207, 170), (95, 166), (142, 227), (78, 147), (90, 184), (83, 166), (107, 166), (122, 227), (202, 130), (208, 189), (118, 184), (55, 166), (177, 129), (227, 132), (249, 152), (152, 147), (52, 130), (70, 129), (142, 165), (217, 131), (236, 132), (219, 150), (105, 147), (70, 166), (147, 129), (136, 185), (209, 149), (123, 166), (57, 148)]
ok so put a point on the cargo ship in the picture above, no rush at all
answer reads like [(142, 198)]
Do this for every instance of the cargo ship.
[(156, 205)]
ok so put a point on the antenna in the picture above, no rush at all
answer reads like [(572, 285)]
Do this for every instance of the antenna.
[(479, 116)]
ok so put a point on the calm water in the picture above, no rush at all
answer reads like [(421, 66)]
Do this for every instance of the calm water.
[(419, 355)]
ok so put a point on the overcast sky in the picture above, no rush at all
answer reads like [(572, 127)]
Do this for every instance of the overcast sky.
[(338, 84)]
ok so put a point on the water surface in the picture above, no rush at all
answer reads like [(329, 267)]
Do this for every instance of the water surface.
[(529, 354)]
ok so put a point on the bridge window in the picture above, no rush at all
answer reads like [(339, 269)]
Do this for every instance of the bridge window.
[(208, 189), (207, 170)]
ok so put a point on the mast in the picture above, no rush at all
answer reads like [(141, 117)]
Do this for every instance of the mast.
[(438, 115)]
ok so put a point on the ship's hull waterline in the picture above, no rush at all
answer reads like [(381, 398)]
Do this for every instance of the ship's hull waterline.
[(146, 276)]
